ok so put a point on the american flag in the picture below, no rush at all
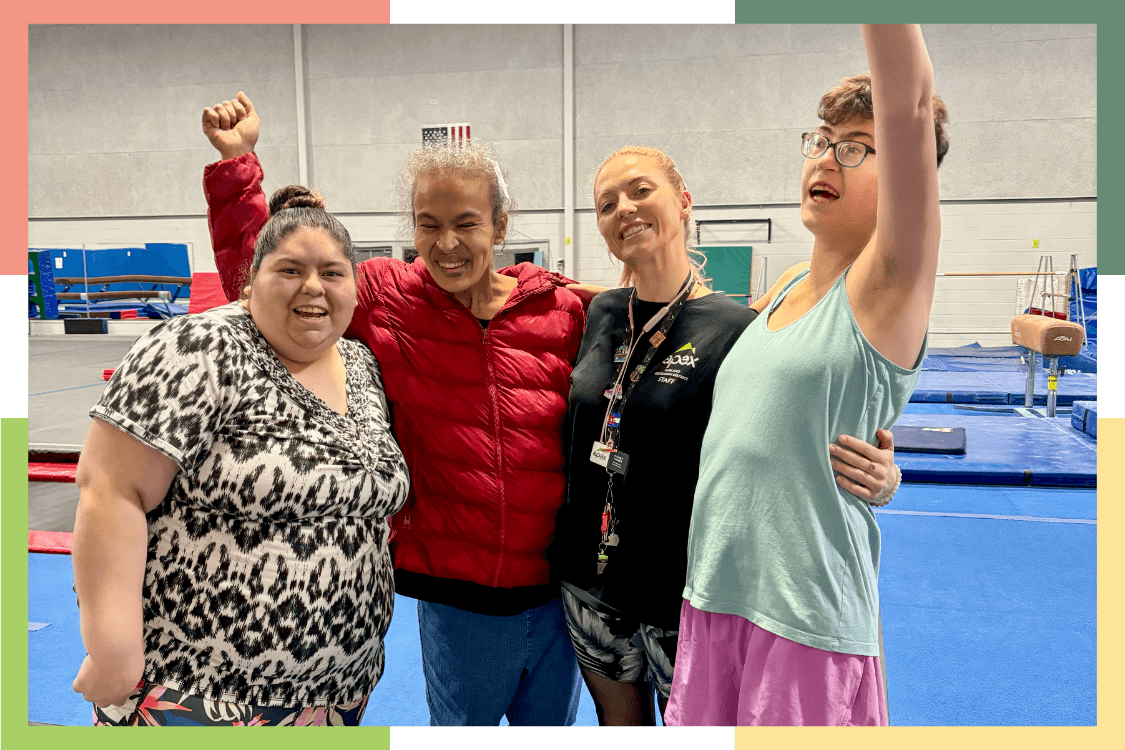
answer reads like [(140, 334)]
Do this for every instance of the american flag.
[(456, 134)]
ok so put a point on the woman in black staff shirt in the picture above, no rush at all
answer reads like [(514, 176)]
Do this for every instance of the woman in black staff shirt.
[(639, 404)]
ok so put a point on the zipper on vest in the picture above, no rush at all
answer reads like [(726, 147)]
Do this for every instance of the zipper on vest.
[(499, 454), (487, 340)]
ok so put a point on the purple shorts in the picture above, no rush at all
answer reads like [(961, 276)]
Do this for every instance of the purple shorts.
[(730, 672)]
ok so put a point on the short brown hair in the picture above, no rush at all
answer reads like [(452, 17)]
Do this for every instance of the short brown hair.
[(852, 98)]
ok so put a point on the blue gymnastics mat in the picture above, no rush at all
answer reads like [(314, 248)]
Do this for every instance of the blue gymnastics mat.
[(989, 602), (1005, 450), (988, 597), (1000, 387), (992, 410), (55, 652), (1084, 417)]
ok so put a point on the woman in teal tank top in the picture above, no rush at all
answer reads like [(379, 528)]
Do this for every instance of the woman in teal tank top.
[(780, 619), (620, 547)]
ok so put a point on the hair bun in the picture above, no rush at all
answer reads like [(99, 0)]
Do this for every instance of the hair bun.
[(295, 196)]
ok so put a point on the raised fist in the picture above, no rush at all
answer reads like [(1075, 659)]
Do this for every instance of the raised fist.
[(232, 126)]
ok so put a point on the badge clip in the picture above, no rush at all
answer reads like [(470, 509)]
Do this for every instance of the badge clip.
[(618, 462), (601, 453)]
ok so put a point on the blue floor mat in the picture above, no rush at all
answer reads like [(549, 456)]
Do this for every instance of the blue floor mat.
[(992, 410), (1000, 387), (55, 652), (977, 358), (1005, 450), (987, 621)]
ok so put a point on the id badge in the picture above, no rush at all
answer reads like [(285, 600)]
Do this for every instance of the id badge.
[(618, 462), (601, 454)]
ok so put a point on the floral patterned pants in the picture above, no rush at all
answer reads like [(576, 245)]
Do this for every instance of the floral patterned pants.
[(156, 705)]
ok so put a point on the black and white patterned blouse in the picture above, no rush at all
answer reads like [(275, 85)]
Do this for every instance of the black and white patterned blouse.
[(269, 575)]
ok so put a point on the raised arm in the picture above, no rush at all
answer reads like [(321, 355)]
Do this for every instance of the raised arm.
[(891, 285), (236, 205), (119, 480)]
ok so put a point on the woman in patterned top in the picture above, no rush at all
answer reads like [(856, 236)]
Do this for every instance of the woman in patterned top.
[(231, 543)]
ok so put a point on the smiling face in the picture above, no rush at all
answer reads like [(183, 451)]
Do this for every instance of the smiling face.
[(453, 228), (837, 198), (640, 212), (303, 295)]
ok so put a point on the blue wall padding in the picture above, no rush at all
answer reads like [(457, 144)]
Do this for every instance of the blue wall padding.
[(42, 302), (1002, 450), (1084, 417), (166, 259), (1000, 387), (154, 259)]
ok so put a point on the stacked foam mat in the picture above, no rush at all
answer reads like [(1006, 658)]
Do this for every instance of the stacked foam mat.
[(1084, 417)]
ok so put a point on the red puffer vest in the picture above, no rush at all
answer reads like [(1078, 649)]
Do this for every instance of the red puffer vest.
[(478, 413)]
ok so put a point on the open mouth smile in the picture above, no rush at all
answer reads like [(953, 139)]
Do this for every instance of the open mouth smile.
[(634, 230), (822, 192), (310, 313)]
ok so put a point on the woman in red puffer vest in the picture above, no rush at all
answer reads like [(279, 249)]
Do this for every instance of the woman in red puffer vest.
[(476, 365)]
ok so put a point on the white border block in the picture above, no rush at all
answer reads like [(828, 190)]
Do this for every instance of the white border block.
[(571, 11), (561, 738), (1111, 346), (13, 344)]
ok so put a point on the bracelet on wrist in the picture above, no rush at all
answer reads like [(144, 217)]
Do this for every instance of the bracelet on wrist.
[(881, 500)]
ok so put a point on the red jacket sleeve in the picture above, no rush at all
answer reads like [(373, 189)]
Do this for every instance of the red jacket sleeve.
[(236, 212)]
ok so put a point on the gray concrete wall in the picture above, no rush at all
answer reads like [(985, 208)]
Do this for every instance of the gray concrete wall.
[(372, 88), (114, 113), (116, 153), (729, 104)]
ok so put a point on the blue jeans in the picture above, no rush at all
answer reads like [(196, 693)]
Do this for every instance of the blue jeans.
[(480, 668)]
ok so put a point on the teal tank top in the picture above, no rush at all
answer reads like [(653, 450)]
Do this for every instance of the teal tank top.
[(773, 538)]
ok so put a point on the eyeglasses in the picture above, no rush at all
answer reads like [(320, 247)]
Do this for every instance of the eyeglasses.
[(848, 153)]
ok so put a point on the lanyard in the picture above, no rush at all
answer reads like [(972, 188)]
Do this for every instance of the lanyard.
[(611, 423), (605, 452)]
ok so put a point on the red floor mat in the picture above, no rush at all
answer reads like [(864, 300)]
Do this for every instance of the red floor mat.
[(51, 542), (51, 472)]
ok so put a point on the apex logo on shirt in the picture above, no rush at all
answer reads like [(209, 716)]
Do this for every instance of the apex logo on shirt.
[(677, 364)]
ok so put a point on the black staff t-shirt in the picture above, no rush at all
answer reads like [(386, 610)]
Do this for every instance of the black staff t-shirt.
[(662, 427)]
